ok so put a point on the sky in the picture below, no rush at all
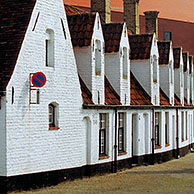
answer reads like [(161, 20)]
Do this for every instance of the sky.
[(172, 9)]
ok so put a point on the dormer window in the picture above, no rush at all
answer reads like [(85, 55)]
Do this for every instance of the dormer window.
[(49, 48), (171, 73), (125, 60), (98, 57), (155, 62)]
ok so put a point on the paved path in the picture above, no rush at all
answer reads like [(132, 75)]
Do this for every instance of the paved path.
[(176, 176)]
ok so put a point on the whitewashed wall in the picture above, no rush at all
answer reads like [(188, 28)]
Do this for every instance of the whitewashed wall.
[(31, 146), (3, 168)]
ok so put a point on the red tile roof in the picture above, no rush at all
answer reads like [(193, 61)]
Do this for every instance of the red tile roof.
[(177, 101), (112, 34), (15, 16), (164, 100), (177, 55), (86, 94), (72, 10), (190, 63), (81, 28), (138, 95), (140, 46), (164, 52), (185, 102), (111, 97), (185, 60)]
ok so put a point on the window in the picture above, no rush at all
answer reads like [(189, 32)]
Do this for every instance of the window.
[(171, 73), (182, 128), (167, 35), (121, 133), (103, 134), (53, 116), (98, 57), (155, 65), (157, 129), (49, 48), (166, 128), (125, 63)]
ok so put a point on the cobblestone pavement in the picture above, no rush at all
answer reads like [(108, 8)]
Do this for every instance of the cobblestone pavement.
[(176, 176)]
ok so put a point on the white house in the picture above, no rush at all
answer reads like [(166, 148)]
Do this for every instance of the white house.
[(88, 43), (117, 64), (191, 79), (89, 116), (166, 66), (186, 77), (144, 63), (178, 74)]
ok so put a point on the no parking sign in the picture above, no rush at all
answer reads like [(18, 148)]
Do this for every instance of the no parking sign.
[(38, 79)]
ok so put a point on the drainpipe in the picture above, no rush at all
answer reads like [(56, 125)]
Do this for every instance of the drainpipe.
[(153, 139), (115, 146), (177, 156)]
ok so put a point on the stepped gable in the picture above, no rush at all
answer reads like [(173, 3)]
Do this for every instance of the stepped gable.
[(185, 58), (112, 35), (140, 46), (15, 17), (138, 95), (81, 28), (164, 100), (164, 52), (86, 94), (177, 55), (111, 97), (177, 100), (72, 10), (190, 63)]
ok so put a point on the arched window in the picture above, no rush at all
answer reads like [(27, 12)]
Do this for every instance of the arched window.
[(49, 48), (53, 115), (98, 57), (155, 64), (125, 63)]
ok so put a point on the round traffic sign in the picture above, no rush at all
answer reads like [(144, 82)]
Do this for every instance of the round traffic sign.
[(38, 79)]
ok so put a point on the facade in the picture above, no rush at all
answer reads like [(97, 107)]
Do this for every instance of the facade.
[(111, 99)]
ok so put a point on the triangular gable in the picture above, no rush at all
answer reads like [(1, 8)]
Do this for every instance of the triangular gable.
[(15, 17), (138, 95)]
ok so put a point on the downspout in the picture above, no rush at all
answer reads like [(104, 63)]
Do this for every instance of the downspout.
[(115, 146), (177, 156), (153, 139)]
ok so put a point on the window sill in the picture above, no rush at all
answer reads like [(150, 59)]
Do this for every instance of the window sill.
[(122, 153), (124, 77), (167, 145), (103, 157), (54, 128), (158, 147), (98, 73)]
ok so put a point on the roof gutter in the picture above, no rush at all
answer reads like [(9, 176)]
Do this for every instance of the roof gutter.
[(132, 107)]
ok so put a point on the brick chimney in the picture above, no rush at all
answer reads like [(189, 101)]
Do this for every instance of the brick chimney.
[(131, 15), (152, 22), (103, 8)]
